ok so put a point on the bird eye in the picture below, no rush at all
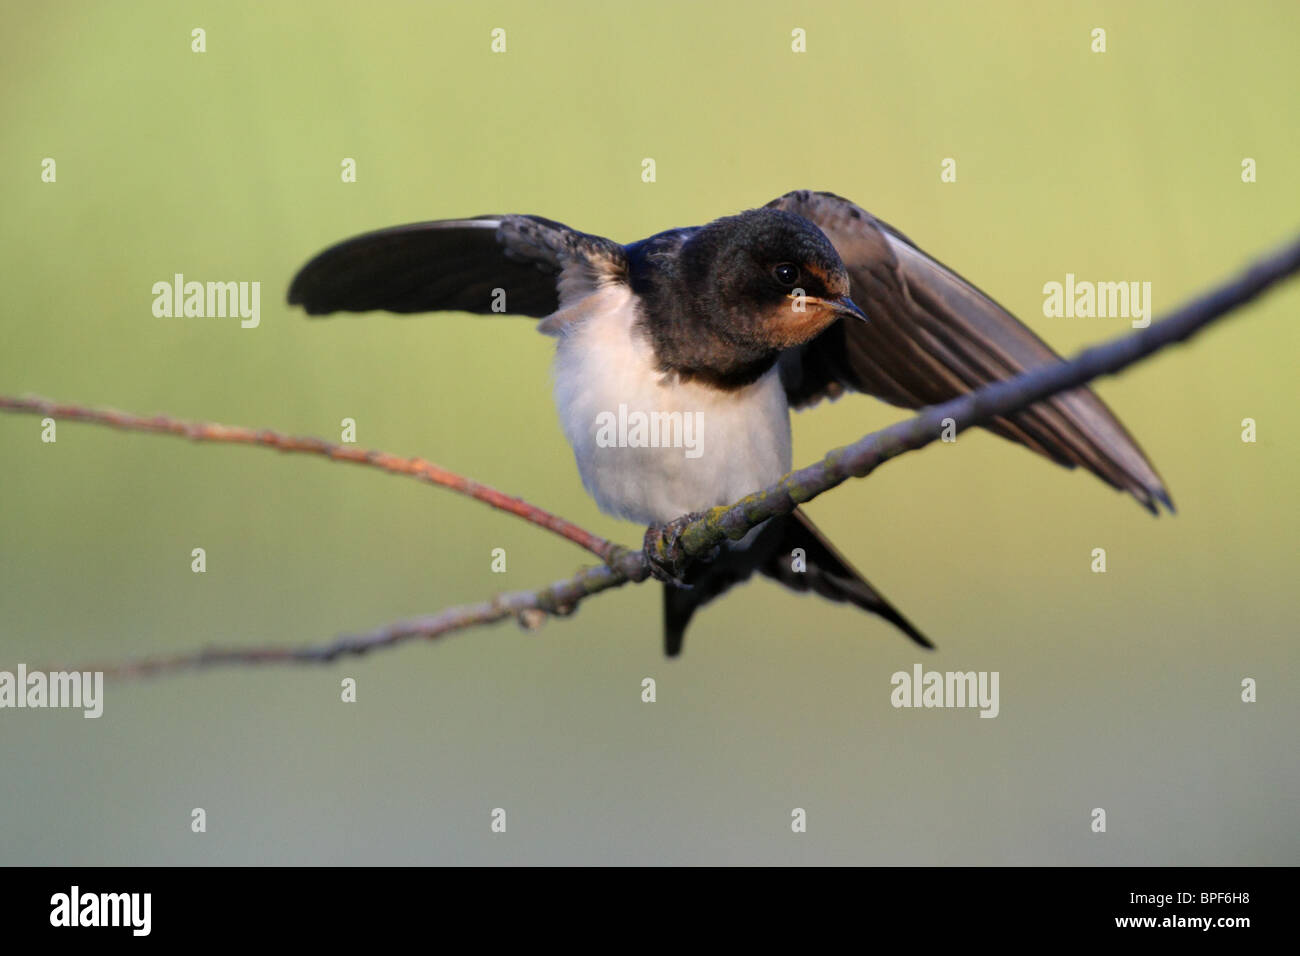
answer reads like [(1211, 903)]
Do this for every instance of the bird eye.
[(787, 273)]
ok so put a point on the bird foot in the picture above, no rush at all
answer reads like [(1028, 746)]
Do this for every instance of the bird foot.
[(663, 550)]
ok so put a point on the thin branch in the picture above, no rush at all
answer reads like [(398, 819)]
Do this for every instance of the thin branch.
[(529, 608), (416, 468), (703, 533)]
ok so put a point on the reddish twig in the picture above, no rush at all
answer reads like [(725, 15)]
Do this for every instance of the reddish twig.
[(416, 468)]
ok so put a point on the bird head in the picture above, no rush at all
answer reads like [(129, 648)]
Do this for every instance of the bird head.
[(767, 280)]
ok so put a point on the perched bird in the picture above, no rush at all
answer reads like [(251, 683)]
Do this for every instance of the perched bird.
[(720, 330)]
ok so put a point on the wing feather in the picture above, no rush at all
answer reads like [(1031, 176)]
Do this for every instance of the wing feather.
[(457, 265), (933, 336)]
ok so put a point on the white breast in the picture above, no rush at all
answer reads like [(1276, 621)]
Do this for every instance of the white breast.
[(714, 446)]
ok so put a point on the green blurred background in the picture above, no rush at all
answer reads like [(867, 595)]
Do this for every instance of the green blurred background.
[(1119, 690)]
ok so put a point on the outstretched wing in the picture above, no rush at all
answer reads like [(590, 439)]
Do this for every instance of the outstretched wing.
[(933, 336), (458, 265)]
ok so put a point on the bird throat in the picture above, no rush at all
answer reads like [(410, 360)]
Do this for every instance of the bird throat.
[(694, 352)]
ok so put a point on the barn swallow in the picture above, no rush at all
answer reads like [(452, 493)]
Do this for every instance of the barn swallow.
[(729, 325)]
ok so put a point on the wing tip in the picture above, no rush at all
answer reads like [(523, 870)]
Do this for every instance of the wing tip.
[(312, 309), (908, 628), (1151, 497), (300, 295), (921, 641)]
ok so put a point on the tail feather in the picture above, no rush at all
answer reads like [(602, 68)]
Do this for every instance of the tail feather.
[(824, 571), (679, 607), (828, 573), (734, 564)]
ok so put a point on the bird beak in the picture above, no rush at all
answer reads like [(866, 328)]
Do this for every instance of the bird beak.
[(847, 307)]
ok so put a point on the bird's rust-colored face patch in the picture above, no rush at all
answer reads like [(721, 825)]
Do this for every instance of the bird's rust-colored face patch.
[(816, 297), (798, 319)]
